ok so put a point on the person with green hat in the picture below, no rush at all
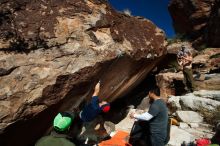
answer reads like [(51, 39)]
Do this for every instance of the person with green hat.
[(59, 136)]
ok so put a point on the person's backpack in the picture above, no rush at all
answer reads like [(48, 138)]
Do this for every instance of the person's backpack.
[(139, 133)]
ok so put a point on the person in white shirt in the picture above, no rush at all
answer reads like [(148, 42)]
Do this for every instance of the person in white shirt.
[(157, 116)]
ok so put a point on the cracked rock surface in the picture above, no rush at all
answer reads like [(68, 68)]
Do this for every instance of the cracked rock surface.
[(53, 52)]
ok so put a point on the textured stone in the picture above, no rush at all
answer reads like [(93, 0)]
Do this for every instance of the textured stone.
[(177, 136), (183, 125), (165, 82), (213, 30), (189, 117), (127, 123), (194, 125), (205, 61), (198, 132), (205, 67), (208, 94), (194, 103), (171, 83), (210, 82), (175, 47), (53, 52), (96, 130), (197, 20), (190, 17)]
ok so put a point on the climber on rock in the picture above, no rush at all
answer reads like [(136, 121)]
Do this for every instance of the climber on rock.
[(184, 59), (88, 114), (94, 107), (60, 134), (157, 117)]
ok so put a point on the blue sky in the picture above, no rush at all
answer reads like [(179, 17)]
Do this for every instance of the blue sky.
[(155, 10)]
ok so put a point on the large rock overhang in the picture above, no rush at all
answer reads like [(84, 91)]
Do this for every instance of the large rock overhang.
[(56, 51)]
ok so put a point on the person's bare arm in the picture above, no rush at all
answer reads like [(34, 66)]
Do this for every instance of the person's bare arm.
[(188, 58), (97, 89), (180, 61), (144, 116)]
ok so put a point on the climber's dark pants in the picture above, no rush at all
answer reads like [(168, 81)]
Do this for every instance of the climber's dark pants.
[(188, 79)]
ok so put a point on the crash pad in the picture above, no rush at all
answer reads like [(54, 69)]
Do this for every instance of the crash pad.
[(119, 139)]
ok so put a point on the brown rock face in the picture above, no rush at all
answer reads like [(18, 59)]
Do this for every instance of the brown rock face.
[(53, 52), (213, 29), (206, 63), (190, 16), (196, 19)]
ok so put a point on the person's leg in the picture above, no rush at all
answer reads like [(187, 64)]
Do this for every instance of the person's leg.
[(185, 79), (156, 141), (191, 80), (188, 76), (136, 134), (76, 129)]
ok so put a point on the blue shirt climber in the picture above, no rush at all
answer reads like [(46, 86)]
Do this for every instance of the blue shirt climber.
[(94, 107)]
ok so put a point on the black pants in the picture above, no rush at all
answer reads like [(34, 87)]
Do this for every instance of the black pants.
[(76, 129), (139, 135), (155, 141)]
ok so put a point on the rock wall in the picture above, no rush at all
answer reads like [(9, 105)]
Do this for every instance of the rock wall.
[(197, 20), (197, 113), (53, 52), (205, 67), (213, 31)]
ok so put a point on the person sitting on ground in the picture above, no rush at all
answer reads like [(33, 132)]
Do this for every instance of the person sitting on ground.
[(184, 59), (59, 136), (157, 117), (94, 107)]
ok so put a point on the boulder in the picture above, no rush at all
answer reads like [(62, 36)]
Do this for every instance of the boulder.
[(95, 131), (207, 61), (178, 136), (190, 101), (166, 82), (213, 30), (171, 83), (194, 125), (198, 132), (189, 116), (196, 20), (183, 125), (127, 123), (190, 17), (174, 48), (52, 53), (206, 107), (209, 82), (215, 95), (174, 104), (205, 67)]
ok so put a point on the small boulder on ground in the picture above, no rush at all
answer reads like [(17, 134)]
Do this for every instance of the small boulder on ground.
[(183, 125), (177, 136), (189, 116)]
